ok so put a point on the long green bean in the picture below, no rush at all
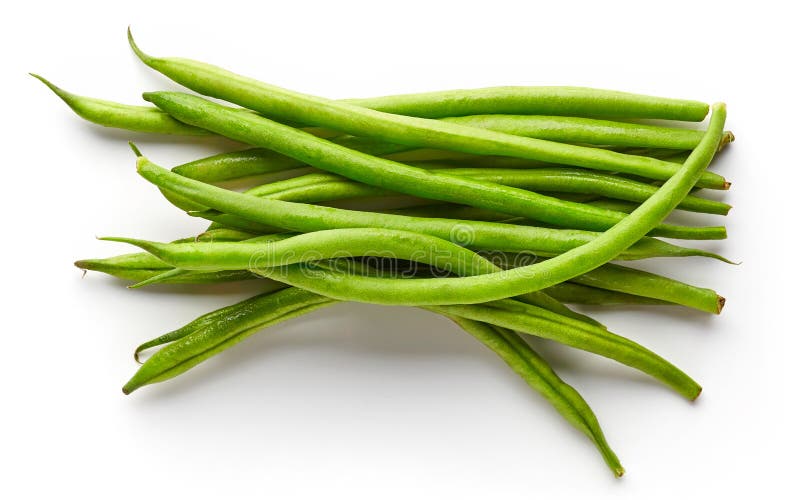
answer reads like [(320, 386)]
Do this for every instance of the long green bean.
[(481, 235), (585, 130), (368, 169), (538, 374), (323, 187), (419, 132), (274, 251), (573, 293), (568, 101)]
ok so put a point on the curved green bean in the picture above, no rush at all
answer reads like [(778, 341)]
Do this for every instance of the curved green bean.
[(515, 316), (485, 288), (538, 374), (418, 132), (319, 245), (275, 251)]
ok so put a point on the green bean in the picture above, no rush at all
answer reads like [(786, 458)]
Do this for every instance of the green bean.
[(224, 314), (485, 288), (558, 128), (222, 328), (253, 162), (322, 187), (139, 269), (585, 130), (616, 278), (568, 292), (645, 284), (573, 293), (261, 253), (112, 114), (319, 245), (566, 101), (517, 316), (538, 374), (506, 313), (419, 132), (336, 243), (307, 218), (403, 178), (219, 332)]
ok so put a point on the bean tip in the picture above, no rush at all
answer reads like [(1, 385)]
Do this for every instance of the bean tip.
[(720, 303), (619, 471), (136, 50), (727, 138), (697, 395), (63, 94), (135, 149)]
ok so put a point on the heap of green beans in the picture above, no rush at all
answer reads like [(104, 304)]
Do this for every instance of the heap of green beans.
[(493, 207)]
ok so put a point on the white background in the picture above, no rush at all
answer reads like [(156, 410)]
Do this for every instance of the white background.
[(364, 401)]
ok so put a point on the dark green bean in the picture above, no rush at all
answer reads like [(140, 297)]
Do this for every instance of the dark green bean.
[(538, 374)]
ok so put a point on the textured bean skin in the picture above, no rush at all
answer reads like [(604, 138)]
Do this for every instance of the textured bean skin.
[(418, 132)]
